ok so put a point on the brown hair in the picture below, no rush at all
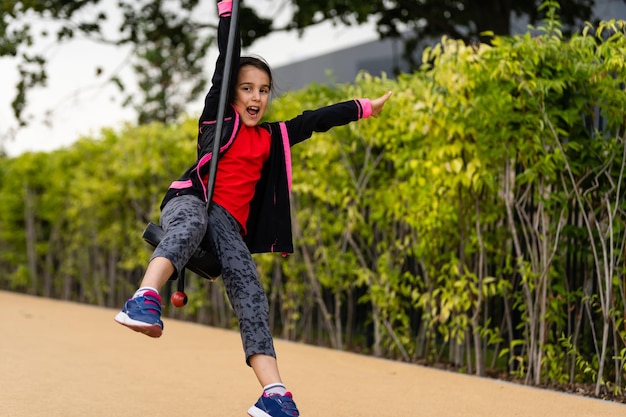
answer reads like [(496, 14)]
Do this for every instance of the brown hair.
[(256, 62)]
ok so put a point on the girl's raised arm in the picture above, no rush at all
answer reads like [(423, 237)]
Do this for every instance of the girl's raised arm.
[(210, 102)]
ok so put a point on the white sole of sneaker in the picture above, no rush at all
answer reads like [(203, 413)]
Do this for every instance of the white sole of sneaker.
[(152, 330), (256, 412)]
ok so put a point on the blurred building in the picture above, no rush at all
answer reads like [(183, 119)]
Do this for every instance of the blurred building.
[(380, 56)]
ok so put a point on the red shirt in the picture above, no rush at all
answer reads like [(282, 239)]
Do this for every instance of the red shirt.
[(238, 171)]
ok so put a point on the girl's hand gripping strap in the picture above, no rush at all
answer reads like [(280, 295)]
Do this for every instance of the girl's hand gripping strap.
[(221, 105)]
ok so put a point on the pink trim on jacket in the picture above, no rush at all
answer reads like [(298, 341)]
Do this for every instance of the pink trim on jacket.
[(287, 149), (207, 157), (224, 8), (181, 184), (365, 105), (212, 122)]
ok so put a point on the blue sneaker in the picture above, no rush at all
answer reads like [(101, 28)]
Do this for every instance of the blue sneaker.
[(143, 314), (275, 405)]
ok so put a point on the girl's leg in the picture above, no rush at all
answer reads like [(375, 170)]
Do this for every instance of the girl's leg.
[(184, 220), (249, 301), (157, 273), (245, 294), (265, 368)]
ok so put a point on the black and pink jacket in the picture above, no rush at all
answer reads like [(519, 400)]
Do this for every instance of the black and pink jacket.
[(269, 222)]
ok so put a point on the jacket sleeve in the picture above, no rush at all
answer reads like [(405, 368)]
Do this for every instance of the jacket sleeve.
[(211, 100), (323, 119)]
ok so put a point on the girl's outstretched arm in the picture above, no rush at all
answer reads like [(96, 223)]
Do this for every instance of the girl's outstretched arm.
[(321, 120), (379, 103)]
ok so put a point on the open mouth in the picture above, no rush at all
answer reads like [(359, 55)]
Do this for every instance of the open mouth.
[(252, 111)]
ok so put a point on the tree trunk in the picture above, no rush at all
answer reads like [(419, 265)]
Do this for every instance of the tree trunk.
[(31, 238)]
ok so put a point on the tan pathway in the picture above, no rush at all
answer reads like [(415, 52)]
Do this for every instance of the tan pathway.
[(70, 360)]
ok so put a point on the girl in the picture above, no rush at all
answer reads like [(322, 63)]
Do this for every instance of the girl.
[(249, 211)]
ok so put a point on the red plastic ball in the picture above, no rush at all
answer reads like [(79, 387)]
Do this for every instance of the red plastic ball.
[(179, 299)]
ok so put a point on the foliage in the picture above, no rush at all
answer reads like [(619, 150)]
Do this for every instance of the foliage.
[(479, 222), (415, 21), (169, 39)]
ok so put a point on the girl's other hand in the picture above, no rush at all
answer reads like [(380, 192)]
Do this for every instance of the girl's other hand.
[(378, 103)]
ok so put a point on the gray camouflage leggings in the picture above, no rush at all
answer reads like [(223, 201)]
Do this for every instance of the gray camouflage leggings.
[(184, 220)]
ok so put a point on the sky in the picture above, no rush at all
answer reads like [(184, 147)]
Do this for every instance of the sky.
[(75, 103)]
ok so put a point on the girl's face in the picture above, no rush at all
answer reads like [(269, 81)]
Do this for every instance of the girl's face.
[(252, 94)]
